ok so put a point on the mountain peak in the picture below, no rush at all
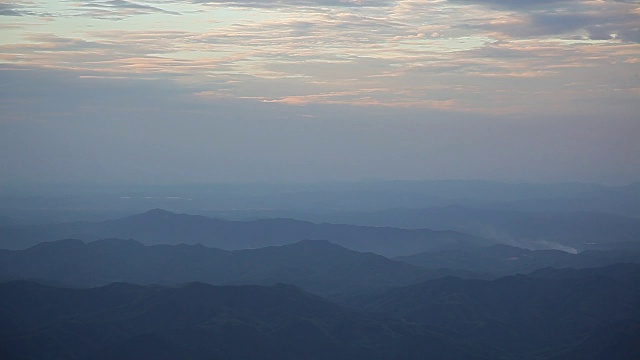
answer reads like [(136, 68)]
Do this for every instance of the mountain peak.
[(315, 242), (158, 211)]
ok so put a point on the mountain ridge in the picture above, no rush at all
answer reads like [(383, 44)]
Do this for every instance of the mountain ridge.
[(546, 315), (163, 227), (318, 266), (201, 321), (589, 314), (502, 259)]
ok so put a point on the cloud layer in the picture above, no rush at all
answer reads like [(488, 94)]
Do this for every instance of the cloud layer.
[(526, 61)]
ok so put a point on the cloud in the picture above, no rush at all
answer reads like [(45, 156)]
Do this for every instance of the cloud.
[(595, 25), (408, 54), (21, 8), (514, 4), (295, 3), (10, 9), (575, 19), (365, 97), (118, 9), (133, 128)]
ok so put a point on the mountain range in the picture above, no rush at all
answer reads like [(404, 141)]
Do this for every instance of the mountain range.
[(568, 231), (200, 321), (391, 232), (164, 227), (41, 202), (423, 270), (590, 313), (501, 260), (317, 266), (551, 314)]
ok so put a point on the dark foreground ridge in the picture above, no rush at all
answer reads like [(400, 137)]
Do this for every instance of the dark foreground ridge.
[(200, 321), (591, 314)]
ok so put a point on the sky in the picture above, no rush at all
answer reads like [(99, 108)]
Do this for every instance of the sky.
[(170, 91)]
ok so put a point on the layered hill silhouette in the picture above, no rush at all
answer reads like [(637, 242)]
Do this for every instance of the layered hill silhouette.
[(501, 260), (554, 314), (578, 230), (315, 265), (200, 321), (551, 314), (164, 227)]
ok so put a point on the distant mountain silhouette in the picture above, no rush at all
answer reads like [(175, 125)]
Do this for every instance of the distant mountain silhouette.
[(552, 314), (535, 230), (198, 321), (503, 260), (47, 203), (315, 265), (164, 227)]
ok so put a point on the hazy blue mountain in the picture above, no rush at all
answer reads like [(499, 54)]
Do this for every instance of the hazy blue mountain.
[(44, 203), (546, 230), (314, 265), (562, 230), (552, 314), (44, 216), (164, 227), (570, 231), (199, 321), (621, 200), (501, 260)]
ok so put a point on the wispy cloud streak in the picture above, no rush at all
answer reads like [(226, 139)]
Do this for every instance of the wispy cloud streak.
[(490, 56)]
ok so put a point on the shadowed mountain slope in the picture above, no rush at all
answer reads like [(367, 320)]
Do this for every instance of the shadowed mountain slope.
[(551, 314), (199, 321)]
